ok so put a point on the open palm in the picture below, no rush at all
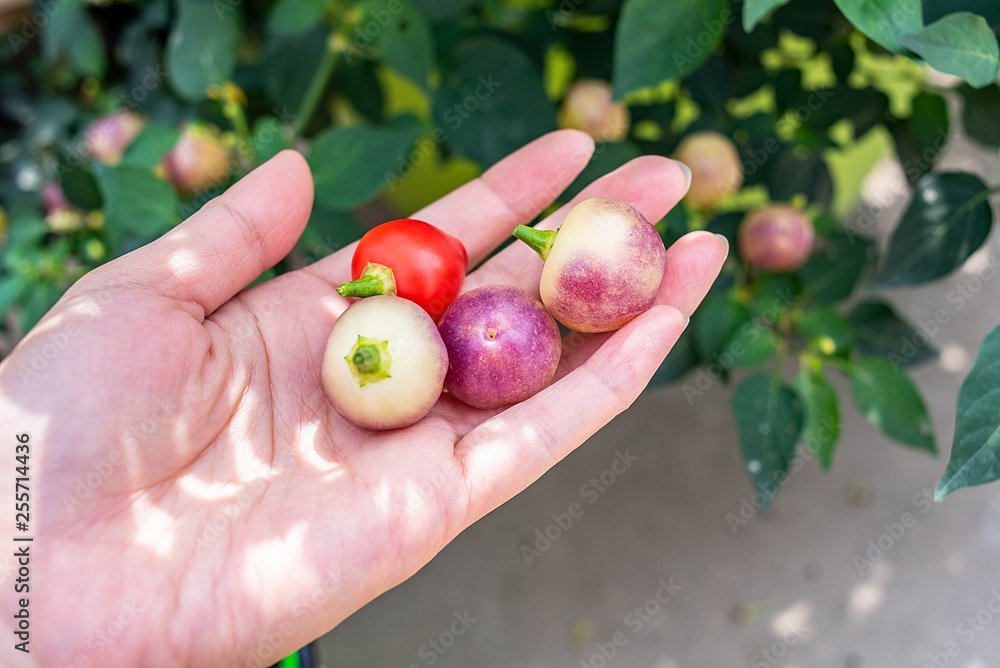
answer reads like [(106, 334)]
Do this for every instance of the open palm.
[(195, 498)]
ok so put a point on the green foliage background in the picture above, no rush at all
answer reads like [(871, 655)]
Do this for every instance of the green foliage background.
[(403, 100)]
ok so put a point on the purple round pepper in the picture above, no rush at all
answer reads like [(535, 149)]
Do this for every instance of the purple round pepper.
[(603, 267), (503, 346)]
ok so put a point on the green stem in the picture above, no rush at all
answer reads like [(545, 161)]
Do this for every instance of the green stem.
[(369, 360), (376, 279), (239, 120), (540, 240), (316, 86)]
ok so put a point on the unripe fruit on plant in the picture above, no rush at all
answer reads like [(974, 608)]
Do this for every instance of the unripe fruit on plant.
[(108, 136), (716, 170), (603, 267), (53, 198), (776, 238), (198, 160), (588, 106), (503, 347), (384, 364)]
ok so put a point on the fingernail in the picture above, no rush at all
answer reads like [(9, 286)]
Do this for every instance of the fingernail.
[(724, 240), (687, 175)]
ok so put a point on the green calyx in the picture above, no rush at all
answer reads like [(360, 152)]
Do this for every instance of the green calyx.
[(369, 360), (376, 279), (540, 240)]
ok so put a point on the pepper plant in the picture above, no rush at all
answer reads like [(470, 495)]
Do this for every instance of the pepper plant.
[(118, 119)]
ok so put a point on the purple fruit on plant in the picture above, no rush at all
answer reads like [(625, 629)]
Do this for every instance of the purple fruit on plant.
[(503, 347), (198, 160), (54, 199), (109, 136), (588, 106), (776, 238), (603, 267), (384, 364), (716, 170)]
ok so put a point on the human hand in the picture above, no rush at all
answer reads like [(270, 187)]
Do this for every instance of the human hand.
[(234, 515)]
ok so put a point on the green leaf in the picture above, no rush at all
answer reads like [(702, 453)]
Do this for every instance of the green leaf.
[(328, 231), (715, 322), (72, 38), (268, 138), (351, 165), (752, 344), (880, 332), (814, 20), (835, 267), (136, 203), (289, 63), (769, 420), (441, 10), (22, 234), (755, 10), (711, 86), (890, 401), (821, 427), (728, 225), (948, 219), (359, 82), (682, 358), (773, 295), (201, 48), (657, 40), (674, 225), (988, 9), (975, 450), (884, 20), (807, 175), (980, 113), (826, 330), (920, 138), (41, 298), (961, 44), (146, 151), (404, 37), (78, 184), (491, 101), (12, 288), (607, 158), (291, 17)]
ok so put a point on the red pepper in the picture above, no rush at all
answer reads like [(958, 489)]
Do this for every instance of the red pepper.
[(427, 264)]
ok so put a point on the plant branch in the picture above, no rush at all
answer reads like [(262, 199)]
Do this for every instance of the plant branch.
[(316, 86)]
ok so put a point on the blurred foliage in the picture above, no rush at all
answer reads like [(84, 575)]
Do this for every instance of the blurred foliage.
[(407, 99)]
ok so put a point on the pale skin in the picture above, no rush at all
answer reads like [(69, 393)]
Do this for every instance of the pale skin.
[(196, 500)]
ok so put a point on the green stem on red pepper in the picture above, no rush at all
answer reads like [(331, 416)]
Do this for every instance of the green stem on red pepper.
[(376, 279)]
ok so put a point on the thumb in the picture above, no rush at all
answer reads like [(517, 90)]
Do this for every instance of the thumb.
[(231, 240)]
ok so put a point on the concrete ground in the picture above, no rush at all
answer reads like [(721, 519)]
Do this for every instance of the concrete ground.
[(853, 568)]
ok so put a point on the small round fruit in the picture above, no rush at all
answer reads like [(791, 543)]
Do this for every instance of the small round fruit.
[(503, 347), (603, 267), (588, 106), (427, 263), (54, 199), (716, 170), (776, 238), (108, 136), (384, 364), (198, 160)]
